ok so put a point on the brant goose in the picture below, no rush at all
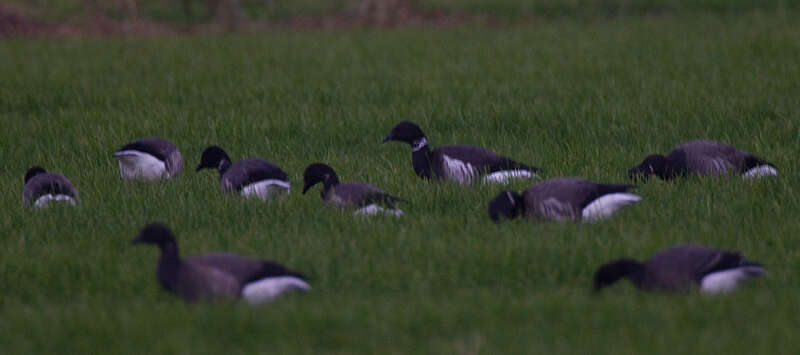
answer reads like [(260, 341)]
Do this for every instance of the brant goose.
[(563, 198), (364, 195), (463, 164), (680, 268), (251, 177), (218, 275), (703, 157), (42, 187), (149, 159)]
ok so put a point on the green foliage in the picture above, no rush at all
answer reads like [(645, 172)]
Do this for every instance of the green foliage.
[(583, 99)]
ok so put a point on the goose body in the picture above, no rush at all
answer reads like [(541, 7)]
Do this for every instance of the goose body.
[(370, 199), (248, 177), (42, 189), (218, 275), (703, 157), (149, 159), (680, 268), (563, 198), (462, 164)]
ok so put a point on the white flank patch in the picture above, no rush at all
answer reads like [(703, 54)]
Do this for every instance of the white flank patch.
[(553, 209), (135, 165), (727, 280), (44, 200), (606, 205), (502, 177), (458, 170), (266, 189), (760, 171), (373, 209), (269, 288), (719, 166)]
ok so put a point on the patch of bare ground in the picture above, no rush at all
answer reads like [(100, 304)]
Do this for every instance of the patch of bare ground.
[(385, 13), (15, 22)]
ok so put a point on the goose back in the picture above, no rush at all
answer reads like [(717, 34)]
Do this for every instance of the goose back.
[(160, 148), (565, 198), (465, 163), (47, 186), (681, 266), (707, 157), (249, 171), (354, 193)]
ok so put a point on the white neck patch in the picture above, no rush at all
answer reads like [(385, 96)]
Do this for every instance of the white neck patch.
[(510, 198), (418, 144)]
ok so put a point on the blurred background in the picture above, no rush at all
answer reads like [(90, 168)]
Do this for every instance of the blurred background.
[(68, 17)]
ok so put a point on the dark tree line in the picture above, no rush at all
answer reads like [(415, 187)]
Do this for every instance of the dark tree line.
[(230, 12)]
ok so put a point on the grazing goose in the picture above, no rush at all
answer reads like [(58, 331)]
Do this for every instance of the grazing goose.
[(680, 268), (218, 275), (149, 159), (364, 195), (563, 198), (703, 157), (463, 164), (41, 188), (251, 177)]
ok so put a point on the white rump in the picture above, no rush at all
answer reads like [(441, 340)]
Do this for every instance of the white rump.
[(727, 280), (268, 289), (606, 205), (266, 189), (759, 171), (135, 165), (44, 200)]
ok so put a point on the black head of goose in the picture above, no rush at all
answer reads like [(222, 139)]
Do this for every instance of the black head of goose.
[(218, 275), (563, 198), (463, 164), (702, 157), (680, 268), (366, 196), (249, 177), (149, 159), (43, 188)]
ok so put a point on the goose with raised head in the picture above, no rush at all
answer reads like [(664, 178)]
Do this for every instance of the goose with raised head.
[(369, 198), (218, 275), (462, 164)]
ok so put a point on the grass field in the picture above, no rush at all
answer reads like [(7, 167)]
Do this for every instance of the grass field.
[(575, 98)]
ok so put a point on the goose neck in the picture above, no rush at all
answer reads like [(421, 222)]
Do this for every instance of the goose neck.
[(168, 265), (223, 166), (421, 161)]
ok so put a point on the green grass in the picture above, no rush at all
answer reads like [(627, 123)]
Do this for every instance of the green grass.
[(584, 99)]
